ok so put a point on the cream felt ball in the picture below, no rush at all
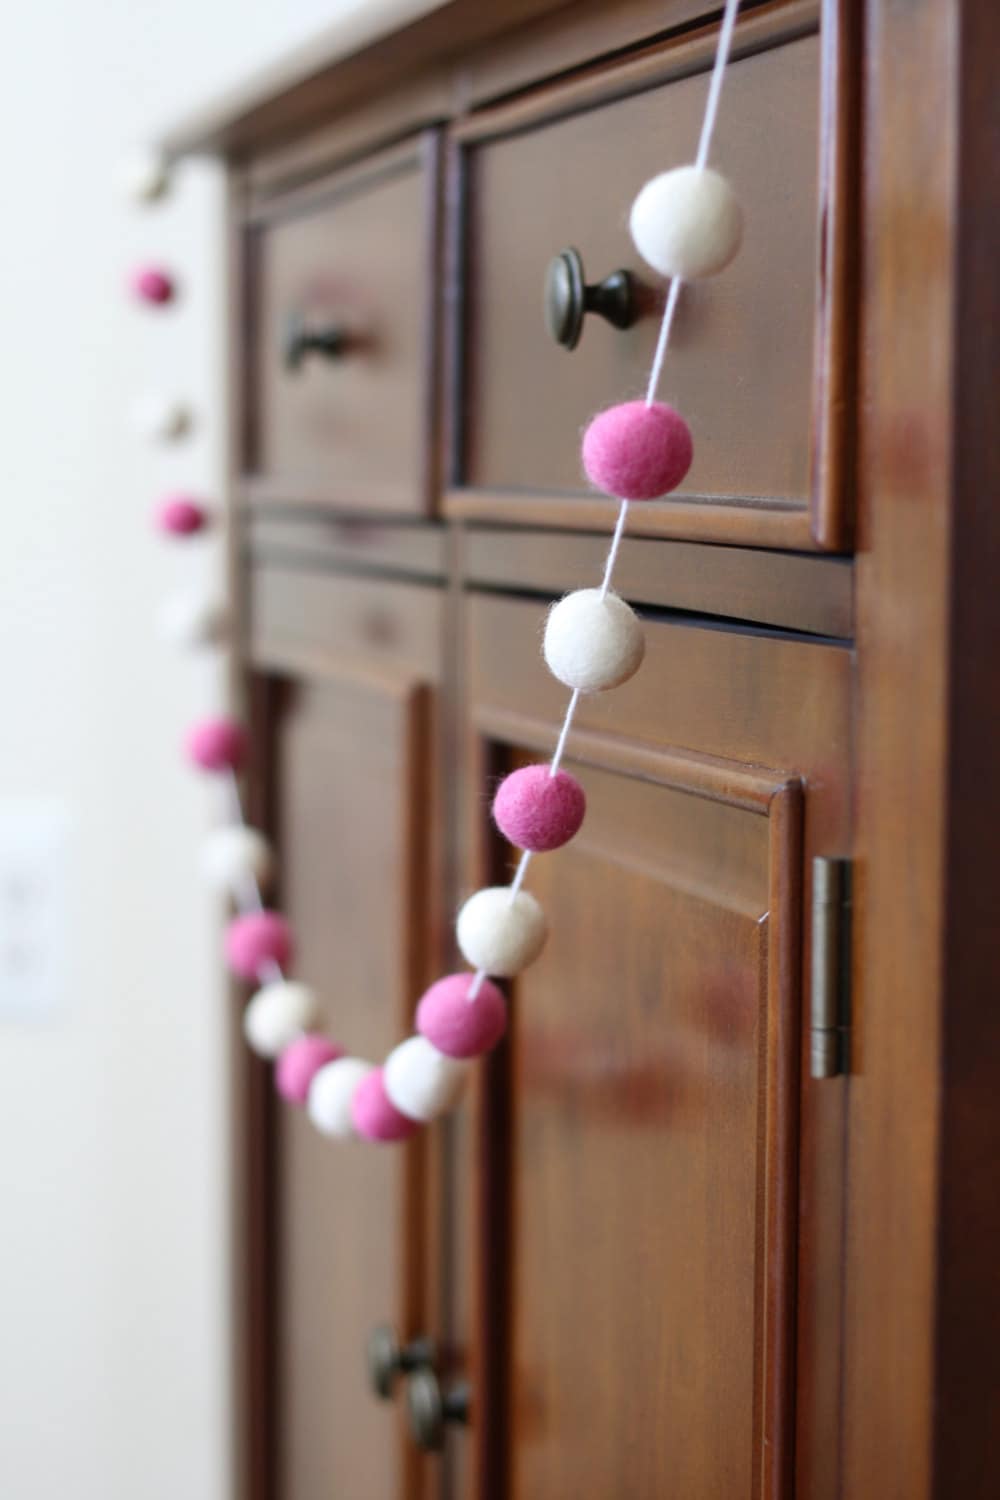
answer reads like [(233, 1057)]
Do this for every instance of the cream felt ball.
[(330, 1095), (421, 1081), (189, 621), (501, 935), (160, 419), (687, 222), (144, 175), (277, 1014), (234, 855), (592, 643)]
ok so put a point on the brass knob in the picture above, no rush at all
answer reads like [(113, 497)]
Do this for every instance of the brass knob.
[(330, 342), (431, 1410), (568, 298), (388, 1359)]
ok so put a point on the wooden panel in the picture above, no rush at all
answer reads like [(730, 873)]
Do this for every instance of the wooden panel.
[(623, 1138), (354, 769), (331, 257), (308, 621), (759, 459), (649, 1145)]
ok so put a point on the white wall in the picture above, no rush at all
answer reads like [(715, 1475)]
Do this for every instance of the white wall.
[(113, 1275)]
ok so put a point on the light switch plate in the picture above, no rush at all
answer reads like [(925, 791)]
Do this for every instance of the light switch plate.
[(34, 908)]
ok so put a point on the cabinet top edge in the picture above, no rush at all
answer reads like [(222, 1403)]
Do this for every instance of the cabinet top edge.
[(373, 45)]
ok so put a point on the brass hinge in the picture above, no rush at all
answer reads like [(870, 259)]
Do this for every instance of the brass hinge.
[(830, 1004)]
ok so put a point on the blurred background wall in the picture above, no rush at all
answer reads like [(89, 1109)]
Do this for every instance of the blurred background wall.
[(114, 1379)]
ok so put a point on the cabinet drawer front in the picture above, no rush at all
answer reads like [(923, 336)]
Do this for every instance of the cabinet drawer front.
[(353, 255), (741, 365)]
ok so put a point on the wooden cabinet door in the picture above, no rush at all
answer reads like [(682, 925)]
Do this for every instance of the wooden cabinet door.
[(636, 1229), (354, 737)]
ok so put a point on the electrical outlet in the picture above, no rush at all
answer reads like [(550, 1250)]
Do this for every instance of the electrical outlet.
[(33, 908)]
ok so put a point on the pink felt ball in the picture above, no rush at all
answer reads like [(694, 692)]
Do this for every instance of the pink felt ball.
[(216, 744), (458, 1026), (179, 516), (374, 1115), (299, 1063), (255, 939), (152, 284), (637, 452), (537, 811)]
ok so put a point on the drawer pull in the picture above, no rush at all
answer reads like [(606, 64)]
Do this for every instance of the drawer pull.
[(568, 298), (431, 1409), (388, 1359), (332, 342)]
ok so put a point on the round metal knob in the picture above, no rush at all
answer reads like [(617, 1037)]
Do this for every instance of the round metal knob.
[(330, 342), (568, 298), (431, 1409), (388, 1359)]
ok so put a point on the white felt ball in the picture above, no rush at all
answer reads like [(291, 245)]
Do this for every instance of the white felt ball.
[(144, 175), (160, 419), (420, 1081), (330, 1094), (189, 620), (498, 935), (234, 855), (277, 1014), (687, 222), (593, 643)]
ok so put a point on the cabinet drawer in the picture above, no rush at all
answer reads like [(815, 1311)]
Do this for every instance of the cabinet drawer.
[(563, 171), (351, 257)]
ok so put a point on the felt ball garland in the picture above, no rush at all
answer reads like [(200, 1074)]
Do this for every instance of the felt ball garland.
[(685, 223)]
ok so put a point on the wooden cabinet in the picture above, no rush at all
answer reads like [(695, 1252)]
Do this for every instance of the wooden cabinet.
[(665, 1258)]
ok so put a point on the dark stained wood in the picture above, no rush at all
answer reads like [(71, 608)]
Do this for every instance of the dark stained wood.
[(922, 1294), (805, 593), (967, 1348), (760, 421), (360, 817), (353, 432), (656, 817)]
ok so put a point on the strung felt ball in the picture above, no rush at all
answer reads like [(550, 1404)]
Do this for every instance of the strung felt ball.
[(160, 419), (458, 1026), (637, 452), (144, 175), (421, 1081), (256, 939), (151, 284), (216, 744), (177, 515), (593, 643), (277, 1014), (235, 855), (190, 621), (687, 222), (373, 1114), (299, 1063), (538, 811), (499, 935), (331, 1092)]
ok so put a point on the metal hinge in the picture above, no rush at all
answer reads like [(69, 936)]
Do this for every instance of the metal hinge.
[(830, 1004)]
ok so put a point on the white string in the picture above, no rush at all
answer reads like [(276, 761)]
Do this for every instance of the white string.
[(663, 339), (704, 145)]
